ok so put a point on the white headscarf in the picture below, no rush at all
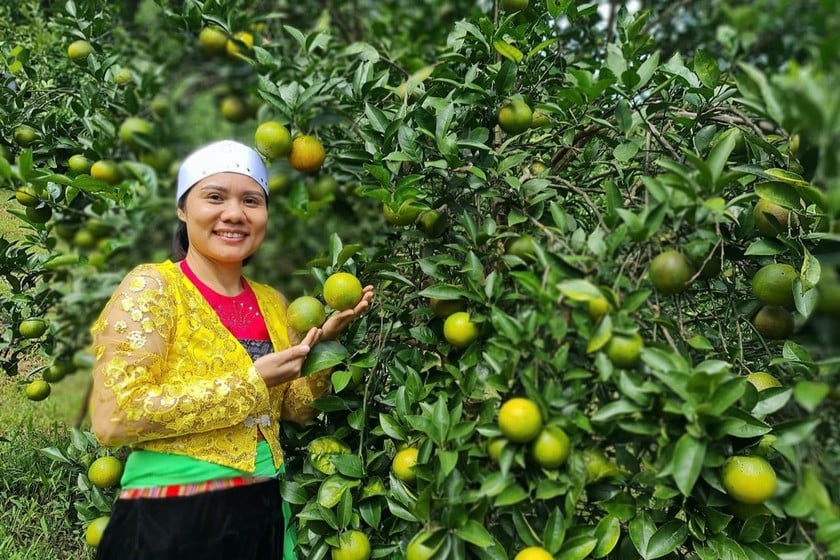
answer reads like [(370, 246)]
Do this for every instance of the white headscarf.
[(225, 156)]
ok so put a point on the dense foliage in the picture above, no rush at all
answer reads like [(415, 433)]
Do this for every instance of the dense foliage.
[(658, 127)]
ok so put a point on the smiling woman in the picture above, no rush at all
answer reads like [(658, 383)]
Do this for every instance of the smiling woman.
[(196, 369)]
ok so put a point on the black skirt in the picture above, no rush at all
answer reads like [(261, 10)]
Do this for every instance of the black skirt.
[(241, 523)]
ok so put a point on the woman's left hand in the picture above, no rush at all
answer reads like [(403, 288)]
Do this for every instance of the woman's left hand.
[(335, 325)]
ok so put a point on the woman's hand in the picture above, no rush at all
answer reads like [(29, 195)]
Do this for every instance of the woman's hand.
[(335, 325), (279, 367)]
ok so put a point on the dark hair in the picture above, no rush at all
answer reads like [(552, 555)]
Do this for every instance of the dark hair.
[(181, 241)]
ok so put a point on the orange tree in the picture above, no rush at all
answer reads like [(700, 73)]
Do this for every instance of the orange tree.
[(653, 131)]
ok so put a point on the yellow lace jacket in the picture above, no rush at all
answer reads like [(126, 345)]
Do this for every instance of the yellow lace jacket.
[(170, 377)]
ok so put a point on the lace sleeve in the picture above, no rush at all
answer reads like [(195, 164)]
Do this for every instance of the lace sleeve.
[(133, 399), (300, 394)]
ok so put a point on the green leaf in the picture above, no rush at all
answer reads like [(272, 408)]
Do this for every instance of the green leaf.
[(554, 532), (780, 193), (641, 529), (766, 247), (706, 68), (607, 532), (475, 533), (601, 336), (332, 488), (687, 462), (578, 548), (507, 50), (513, 494), (579, 290), (719, 155), (666, 539), (810, 394), (322, 356), (443, 291)]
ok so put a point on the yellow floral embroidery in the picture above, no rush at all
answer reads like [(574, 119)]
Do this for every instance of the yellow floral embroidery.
[(170, 377)]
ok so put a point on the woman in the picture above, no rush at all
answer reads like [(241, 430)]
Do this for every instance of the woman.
[(195, 370)]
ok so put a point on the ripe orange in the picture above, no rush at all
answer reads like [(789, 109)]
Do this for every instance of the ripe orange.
[(403, 464), (551, 448), (28, 195), (443, 308), (670, 272), (352, 545), (764, 224), (305, 313), (213, 40), (773, 322), (79, 164), (307, 154), (515, 117), (37, 390), (106, 170), (105, 472), (32, 328), (748, 479), (763, 380), (25, 135), (272, 139), (95, 530), (79, 50), (239, 44), (773, 284), (132, 128), (624, 351), (520, 420), (234, 109), (342, 291), (533, 553), (459, 330)]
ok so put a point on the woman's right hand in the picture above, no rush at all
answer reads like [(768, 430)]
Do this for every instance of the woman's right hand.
[(279, 367)]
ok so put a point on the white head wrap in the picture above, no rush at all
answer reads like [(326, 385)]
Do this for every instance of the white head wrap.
[(225, 156)]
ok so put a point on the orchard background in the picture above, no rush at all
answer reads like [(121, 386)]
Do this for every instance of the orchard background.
[(657, 126)]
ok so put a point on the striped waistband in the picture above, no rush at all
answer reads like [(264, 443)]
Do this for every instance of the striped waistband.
[(177, 490)]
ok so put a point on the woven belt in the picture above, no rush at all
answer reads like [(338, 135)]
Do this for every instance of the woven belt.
[(176, 490)]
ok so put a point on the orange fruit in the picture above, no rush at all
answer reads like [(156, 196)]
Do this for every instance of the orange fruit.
[(495, 448), (763, 380), (342, 291), (523, 247), (597, 465), (79, 50), (305, 313), (79, 164), (106, 170), (37, 390), (234, 109), (56, 372), (272, 139), (405, 215), (773, 284), (762, 211), (132, 128), (443, 308), (670, 272), (105, 472), (459, 330), (596, 308), (539, 118), (322, 449), (95, 530), (749, 480), (432, 223), (239, 44), (533, 552), (403, 464), (213, 40), (515, 117), (537, 168), (32, 328), (322, 187), (28, 195), (39, 214), (123, 76), (307, 154), (418, 547), (773, 322), (551, 447), (520, 420), (25, 135), (624, 351), (352, 545)]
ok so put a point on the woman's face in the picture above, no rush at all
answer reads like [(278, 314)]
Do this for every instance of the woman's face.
[(225, 215)]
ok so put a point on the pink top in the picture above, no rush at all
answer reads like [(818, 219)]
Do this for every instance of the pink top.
[(240, 313)]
